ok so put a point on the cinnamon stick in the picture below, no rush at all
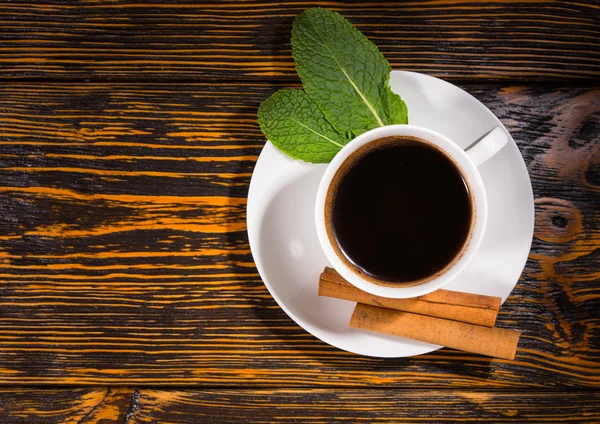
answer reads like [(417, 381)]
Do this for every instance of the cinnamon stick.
[(496, 342), (464, 307)]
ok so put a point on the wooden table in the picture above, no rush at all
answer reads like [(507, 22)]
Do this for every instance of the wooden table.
[(128, 137)]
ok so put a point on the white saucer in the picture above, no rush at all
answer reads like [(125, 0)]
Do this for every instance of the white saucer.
[(284, 243)]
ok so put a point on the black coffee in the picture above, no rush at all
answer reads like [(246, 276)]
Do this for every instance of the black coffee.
[(399, 210)]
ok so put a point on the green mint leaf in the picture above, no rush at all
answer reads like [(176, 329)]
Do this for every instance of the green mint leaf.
[(296, 126), (394, 108), (344, 73)]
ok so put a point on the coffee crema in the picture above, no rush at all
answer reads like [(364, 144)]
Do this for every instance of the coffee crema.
[(398, 211)]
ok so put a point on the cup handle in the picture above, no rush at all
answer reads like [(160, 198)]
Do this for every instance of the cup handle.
[(487, 146)]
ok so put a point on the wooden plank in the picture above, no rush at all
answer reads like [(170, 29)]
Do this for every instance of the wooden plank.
[(132, 406), (124, 257), (460, 39)]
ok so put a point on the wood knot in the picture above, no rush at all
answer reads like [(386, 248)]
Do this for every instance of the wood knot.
[(557, 220)]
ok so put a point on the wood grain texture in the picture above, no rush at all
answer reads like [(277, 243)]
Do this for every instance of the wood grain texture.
[(142, 406), (124, 257), (129, 39), (65, 406)]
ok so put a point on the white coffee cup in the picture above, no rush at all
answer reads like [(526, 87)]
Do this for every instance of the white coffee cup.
[(467, 162)]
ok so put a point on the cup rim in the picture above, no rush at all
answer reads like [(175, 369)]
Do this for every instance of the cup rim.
[(467, 169)]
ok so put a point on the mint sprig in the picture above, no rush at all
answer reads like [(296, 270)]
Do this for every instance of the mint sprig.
[(346, 90)]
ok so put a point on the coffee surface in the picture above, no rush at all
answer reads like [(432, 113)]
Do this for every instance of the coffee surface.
[(401, 211)]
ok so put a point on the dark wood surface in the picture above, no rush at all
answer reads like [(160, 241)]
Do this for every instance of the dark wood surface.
[(533, 40), (233, 406), (128, 137)]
